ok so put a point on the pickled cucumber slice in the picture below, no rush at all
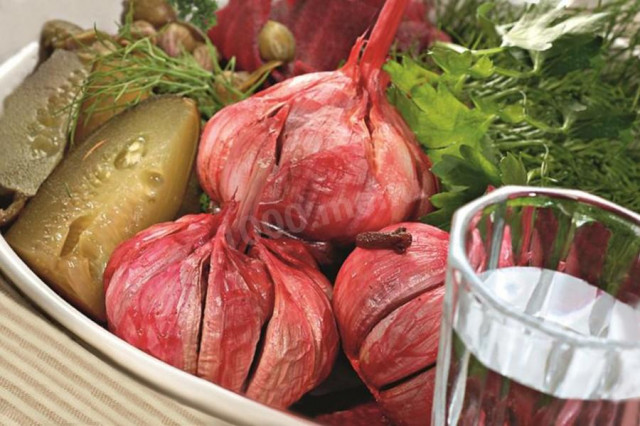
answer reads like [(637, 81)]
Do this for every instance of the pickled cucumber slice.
[(129, 174), (33, 127)]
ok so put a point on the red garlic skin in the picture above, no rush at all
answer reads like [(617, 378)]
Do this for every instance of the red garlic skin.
[(346, 162), (153, 289), (388, 308), (188, 294)]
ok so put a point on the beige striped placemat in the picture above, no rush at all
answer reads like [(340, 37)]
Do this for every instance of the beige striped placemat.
[(49, 378)]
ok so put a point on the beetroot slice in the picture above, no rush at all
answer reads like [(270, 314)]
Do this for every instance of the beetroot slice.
[(236, 33), (323, 35)]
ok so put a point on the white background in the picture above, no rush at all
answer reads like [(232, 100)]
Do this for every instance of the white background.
[(21, 20)]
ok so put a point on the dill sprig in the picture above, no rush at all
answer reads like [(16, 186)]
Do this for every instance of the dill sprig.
[(139, 66), (494, 108)]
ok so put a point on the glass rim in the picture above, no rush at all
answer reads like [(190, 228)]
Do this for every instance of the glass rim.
[(459, 260)]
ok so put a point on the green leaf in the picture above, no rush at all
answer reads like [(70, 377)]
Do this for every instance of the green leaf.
[(622, 254), (464, 178), (205, 203), (409, 74), (541, 25), (572, 52), (407, 108), (486, 24), (556, 98), (485, 167), (487, 106), (444, 121), (444, 199), (483, 68), (513, 114), (512, 170), (452, 62), (602, 122), (447, 203)]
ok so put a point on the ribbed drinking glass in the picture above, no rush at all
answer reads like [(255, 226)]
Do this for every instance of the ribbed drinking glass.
[(541, 322)]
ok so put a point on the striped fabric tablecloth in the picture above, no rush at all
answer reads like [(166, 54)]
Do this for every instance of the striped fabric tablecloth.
[(49, 378)]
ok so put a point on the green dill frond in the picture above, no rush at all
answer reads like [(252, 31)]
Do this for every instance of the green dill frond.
[(139, 67), (557, 103)]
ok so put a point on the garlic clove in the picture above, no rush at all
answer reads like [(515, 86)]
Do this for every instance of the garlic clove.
[(238, 303), (412, 350), (176, 38), (413, 399), (391, 280), (301, 340), (142, 29), (206, 56), (154, 287), (156, 12)]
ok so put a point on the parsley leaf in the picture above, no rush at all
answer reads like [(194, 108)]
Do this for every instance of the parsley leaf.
[(512, 170), (544, 23), (550, 99)]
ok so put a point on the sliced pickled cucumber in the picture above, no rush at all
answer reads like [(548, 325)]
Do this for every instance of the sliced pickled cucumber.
[(34, 124), (131, 173)]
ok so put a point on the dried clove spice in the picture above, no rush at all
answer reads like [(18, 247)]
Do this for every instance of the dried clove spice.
[(398, 240)]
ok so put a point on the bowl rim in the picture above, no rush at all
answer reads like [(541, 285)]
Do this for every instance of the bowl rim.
[(188, 389), (459, 261)]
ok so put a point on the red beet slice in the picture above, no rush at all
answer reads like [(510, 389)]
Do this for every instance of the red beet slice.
[(323, 36), (236, 33)]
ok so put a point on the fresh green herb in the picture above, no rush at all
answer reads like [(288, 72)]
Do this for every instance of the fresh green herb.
[(205, 203), (550, 99), (200, 13), (139, 66)]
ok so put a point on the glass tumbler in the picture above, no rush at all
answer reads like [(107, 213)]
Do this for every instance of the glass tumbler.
[(541, 321)]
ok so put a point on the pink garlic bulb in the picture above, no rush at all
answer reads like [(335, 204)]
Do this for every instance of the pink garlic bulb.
[(345, 161), (253, 316), (388, 308)]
